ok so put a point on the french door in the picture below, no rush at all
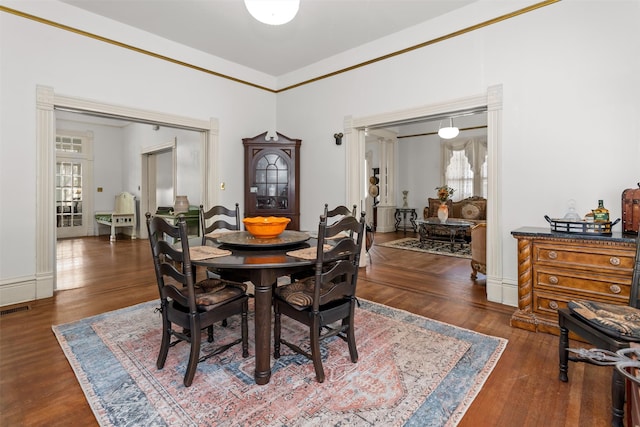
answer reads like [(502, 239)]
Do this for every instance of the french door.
[(73, 173)]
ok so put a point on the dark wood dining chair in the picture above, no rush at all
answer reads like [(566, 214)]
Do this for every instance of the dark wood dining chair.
[(629, 368), (338, 212), (191, 306), (223, 219), (332, 216), (327, 297), (605, 326), (218, 219)]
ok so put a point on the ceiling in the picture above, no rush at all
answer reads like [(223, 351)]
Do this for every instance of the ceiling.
[(224, 28), (321, 28)]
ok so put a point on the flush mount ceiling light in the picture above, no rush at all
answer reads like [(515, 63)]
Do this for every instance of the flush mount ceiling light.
[(448, 132), (273, 12)]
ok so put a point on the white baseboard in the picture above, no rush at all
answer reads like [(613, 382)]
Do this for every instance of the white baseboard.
[(17, 291), (502, 292), (23, 289)]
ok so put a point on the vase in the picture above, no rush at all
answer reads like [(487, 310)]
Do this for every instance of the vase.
[(181, 205), (405, 204), (443, 212)]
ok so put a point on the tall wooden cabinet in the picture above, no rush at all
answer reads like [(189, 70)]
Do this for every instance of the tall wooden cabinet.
[(555, 268), (272, 177)]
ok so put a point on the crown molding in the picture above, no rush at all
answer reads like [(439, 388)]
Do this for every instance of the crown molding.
[(296, 85)]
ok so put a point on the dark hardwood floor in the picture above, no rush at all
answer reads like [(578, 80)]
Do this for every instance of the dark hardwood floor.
[(39, 388)]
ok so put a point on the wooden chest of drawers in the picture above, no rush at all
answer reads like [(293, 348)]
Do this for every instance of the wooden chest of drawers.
[(555, 268)]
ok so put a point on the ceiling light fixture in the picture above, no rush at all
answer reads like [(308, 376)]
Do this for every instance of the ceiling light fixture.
[(448, 132), (273, 12)]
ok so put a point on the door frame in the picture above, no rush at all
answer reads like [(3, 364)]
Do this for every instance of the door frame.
[(47, 100), (147, 184), (354, 130)]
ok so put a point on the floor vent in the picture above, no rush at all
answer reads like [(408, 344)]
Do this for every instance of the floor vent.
[(14, 310)]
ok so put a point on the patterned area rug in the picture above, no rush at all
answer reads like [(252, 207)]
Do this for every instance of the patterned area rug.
[(461, 250), (411, 371)]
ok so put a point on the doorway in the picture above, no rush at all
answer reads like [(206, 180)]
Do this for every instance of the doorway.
[(159, 176), (355, 130), (44, 282)]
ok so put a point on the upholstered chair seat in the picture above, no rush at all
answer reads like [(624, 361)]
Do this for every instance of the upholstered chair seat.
[(324, 302)]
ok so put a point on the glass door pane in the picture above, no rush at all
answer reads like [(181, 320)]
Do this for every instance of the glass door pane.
[(69, 213)]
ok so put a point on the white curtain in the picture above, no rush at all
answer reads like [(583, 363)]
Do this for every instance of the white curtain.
[(464, 166)]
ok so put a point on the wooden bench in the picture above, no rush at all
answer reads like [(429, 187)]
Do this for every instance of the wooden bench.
[(124, 215)]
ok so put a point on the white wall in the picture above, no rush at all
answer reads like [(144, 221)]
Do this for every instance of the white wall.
[(418, 170), (34, 54), (188, 149), (569, 74), (107, 160), (570, 120), (117, 161)]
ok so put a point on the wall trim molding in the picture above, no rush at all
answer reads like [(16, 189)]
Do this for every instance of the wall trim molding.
[(442, 38)]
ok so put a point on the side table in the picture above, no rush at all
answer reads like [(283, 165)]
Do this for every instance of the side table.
[(192, 218), (407, 223)]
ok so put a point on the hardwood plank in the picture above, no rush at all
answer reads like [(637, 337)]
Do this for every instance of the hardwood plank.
[(39, 388)]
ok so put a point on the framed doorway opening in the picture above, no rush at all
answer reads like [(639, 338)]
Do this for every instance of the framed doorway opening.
[(47, 101), (152, 161), (355, 129)]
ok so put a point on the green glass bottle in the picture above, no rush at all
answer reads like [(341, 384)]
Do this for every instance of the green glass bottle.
[(600, 213)]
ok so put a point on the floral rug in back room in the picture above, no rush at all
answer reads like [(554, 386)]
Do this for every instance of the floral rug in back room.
[(437, 247)]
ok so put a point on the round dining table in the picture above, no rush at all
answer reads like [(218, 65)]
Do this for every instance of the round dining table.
[(261, 261)]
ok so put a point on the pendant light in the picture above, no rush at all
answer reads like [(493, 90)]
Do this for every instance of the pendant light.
[(448, 132), (273, 12)]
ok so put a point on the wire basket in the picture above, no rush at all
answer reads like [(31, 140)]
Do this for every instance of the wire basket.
[(581, 227)]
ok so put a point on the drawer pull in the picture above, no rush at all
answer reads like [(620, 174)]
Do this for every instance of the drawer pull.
[(614, 260), (553, 280), (615, 289), (553, 305), (553, 255)]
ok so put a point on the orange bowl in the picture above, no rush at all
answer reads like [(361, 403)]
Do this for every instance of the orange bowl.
[(268, 227)]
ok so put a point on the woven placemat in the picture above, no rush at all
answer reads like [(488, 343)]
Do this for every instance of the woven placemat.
[(308, 253), (217, 233), (203, 252)]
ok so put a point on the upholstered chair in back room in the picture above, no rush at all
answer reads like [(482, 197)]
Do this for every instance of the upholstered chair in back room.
[(478, 249)]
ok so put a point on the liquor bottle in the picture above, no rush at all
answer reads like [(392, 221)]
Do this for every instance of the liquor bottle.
[(600, 213)]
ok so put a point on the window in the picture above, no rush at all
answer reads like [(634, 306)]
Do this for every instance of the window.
[(68, 144), (465, 167)]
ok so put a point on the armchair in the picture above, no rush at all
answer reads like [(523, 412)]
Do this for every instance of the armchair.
[(478, 249)]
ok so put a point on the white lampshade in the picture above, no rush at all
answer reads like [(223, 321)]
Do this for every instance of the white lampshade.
[(273, 12), (448, 132)]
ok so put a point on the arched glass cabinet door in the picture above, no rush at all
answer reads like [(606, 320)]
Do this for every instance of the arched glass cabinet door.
[(272, 182), (271, 178)]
